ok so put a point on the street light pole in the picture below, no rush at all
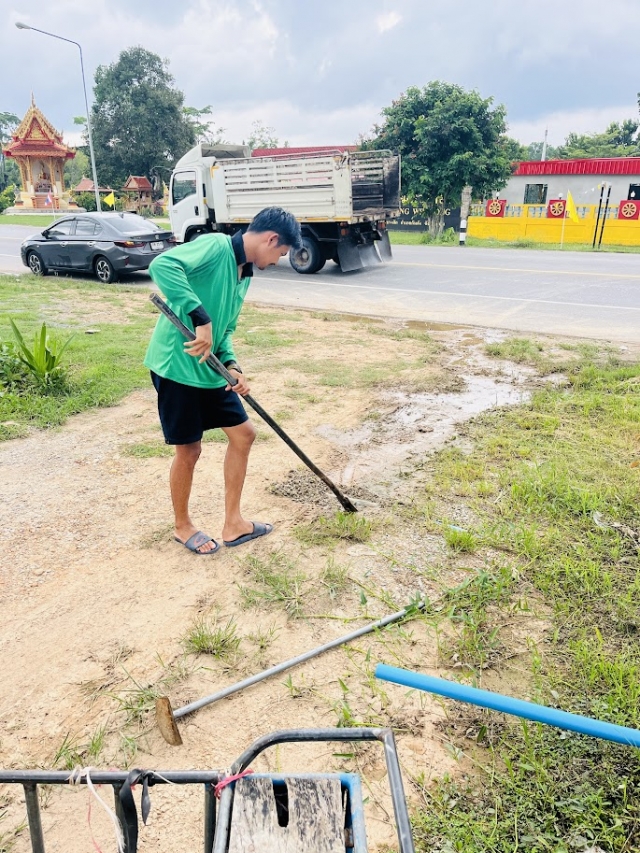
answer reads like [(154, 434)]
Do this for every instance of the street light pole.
[(22, 26)]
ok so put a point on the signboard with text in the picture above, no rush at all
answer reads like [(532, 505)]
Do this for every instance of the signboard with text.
[(413, 217)]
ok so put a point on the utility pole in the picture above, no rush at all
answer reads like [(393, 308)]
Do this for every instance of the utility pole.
[(544, 145)]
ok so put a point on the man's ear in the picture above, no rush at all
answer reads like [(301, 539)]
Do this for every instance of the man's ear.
[(273, 240)]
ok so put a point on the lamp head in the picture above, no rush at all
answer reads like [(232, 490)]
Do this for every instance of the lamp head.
[(22, 26)]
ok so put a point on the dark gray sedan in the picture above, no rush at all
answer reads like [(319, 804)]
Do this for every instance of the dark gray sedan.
[(106, 244)]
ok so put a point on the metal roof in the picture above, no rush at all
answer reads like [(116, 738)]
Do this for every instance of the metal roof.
[(592, 166)]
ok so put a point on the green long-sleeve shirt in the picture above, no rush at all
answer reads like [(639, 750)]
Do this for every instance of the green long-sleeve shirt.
[(201, 273)]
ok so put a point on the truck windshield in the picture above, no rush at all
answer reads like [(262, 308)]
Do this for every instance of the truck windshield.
[(184, 185)]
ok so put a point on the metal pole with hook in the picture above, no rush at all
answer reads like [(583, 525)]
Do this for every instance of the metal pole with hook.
[(217, 365)]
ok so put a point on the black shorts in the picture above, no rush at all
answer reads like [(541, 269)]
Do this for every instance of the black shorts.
[(186, 412)]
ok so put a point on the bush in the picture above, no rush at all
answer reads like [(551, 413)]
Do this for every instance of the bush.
[(14, 374), (86, 200), (7, 197), (43, 360), (447, 237)]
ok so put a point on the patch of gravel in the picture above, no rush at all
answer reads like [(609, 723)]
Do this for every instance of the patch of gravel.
[(304, 487)]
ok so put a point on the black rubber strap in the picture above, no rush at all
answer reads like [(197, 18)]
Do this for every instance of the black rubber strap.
[(129, 807)]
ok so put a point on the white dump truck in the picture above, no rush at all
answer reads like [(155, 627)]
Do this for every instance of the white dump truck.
[(341, 199)]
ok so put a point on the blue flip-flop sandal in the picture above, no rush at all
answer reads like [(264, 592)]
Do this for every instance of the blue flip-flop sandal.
[(197, 541), (259, 529)]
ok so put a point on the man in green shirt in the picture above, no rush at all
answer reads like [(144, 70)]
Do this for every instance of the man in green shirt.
[(205, 282)]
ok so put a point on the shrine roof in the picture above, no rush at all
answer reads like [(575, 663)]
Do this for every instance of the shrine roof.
[(36, 136), (86, 186), (137, 182), (38, 148)]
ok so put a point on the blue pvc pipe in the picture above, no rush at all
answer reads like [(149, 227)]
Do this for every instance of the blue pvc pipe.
[(509, 705)]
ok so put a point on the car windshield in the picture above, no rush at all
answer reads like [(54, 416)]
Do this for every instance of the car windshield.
[(132, 224)]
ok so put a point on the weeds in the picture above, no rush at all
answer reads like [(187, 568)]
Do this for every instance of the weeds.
[(147, 450), (341, 526), (276, 582), (520, 350), (69, 754), (139, 700), (210, 638), (334, 577), (8, 839), (463, 541), (263, 638)]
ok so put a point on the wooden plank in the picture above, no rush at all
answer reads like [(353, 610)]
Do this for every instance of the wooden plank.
[(316, 819)]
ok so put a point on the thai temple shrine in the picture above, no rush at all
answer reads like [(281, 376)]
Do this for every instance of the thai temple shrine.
[(40, 153)]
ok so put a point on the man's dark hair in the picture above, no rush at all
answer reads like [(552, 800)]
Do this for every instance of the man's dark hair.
[(282, 222)]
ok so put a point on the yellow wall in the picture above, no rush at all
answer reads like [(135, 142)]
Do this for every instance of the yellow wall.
[(617, 232)]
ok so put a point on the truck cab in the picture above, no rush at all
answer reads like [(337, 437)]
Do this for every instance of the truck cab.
[(190, 209)]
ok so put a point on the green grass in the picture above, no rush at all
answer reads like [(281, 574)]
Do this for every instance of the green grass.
[(40, 220), (525, 243), (275, 581), (334, 578), (417, 238), (100, 368), (147, 450), (340, 526), (212, 638), (406, 238), (528, 787), (516, 349)]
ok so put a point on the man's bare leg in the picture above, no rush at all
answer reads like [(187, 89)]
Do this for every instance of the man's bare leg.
[(180, 481), (241, 438)]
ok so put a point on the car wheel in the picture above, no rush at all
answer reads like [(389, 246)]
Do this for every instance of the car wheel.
[(104, 270), (309, 258), (36, 264)]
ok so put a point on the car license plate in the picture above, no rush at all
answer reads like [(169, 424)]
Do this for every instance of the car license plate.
[(157, 245)]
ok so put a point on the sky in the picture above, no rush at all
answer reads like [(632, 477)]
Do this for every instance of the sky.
[(319, 73)]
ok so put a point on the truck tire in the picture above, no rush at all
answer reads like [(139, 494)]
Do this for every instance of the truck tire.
[(193, 235), (309, 259)]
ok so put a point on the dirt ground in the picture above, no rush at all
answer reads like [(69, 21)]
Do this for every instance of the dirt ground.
[(96, 597)]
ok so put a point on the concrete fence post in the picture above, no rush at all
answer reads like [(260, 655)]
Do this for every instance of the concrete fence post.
[(465, 204)]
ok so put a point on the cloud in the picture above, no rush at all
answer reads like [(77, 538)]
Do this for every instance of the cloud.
[(388, 21), (294, 124), (326, 77)]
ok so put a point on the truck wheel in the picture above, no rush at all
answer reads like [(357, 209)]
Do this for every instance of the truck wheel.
[(194, 235), (309, 258)]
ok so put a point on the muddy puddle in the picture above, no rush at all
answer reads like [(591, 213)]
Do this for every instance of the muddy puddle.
[(409, 425)]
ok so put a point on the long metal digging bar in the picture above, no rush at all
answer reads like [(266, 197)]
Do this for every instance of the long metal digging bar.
[(219, 367), (166, 716)]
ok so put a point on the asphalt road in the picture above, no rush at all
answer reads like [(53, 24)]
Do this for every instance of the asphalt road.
[(563, 293)]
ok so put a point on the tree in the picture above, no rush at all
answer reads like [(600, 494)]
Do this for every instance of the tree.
[(9, 172), (533, 151), (75, 170), (263, 137), (448, 138), (618, 140), (138, 123), (515, 150), (203, 130)]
